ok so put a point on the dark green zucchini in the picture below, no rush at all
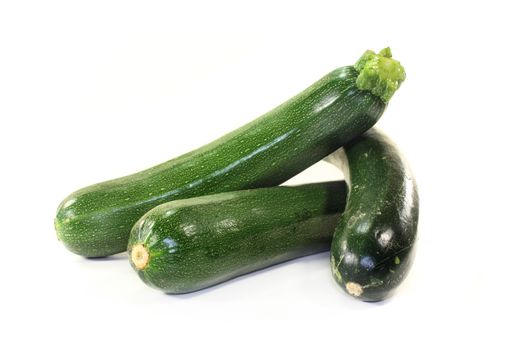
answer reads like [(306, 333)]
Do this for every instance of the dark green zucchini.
[(373, 245), (95, 221), (190, 244)]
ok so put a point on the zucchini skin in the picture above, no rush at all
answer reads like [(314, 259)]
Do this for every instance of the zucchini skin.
[(373, 246), (199, 242), (95, 221)]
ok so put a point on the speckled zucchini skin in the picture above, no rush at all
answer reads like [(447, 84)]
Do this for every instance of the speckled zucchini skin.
[(373, 246), (95, 221), (199, 242)]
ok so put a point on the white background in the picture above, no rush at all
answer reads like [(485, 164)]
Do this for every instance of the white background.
[(98, 89)]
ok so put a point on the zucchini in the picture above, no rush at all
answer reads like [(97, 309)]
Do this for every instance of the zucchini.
[(190, 244), (95, 221), (373, 245)]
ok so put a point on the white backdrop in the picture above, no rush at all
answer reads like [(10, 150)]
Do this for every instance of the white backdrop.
[(100, 89)]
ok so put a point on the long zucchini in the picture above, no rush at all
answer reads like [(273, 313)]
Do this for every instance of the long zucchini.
[(373, 246), (190, 244), (95, 221)]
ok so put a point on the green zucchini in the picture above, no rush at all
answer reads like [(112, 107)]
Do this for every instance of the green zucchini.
[(190, 244), (373, 245), (95, 221)]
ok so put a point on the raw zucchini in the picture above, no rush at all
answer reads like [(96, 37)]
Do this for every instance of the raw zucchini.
[(95, 221), (190, 244), (373, 246)]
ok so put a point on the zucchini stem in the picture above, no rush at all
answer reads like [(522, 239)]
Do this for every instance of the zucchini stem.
[(379, 73), (139, 256)]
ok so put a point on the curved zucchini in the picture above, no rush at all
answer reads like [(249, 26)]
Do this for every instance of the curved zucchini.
[(373, 245), (190, 244), (95, 221)]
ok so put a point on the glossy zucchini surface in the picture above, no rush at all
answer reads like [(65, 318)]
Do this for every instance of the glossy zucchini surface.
[(373, 246)]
